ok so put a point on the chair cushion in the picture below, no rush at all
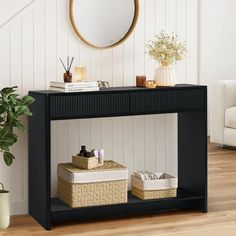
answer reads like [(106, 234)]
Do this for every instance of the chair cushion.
[(230, 117)]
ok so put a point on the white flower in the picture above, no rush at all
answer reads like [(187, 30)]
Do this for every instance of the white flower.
[(167, 49)]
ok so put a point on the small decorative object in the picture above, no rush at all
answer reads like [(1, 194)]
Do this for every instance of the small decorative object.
[(88, 160), (89, 154), (83, 151), (166, 50), (104, 185), (98, 153), (67, 77), (147, 185), (150, 84), (4, 207), (140, 80), (103, 84), (80, 73), (12, 108), (67, 74)]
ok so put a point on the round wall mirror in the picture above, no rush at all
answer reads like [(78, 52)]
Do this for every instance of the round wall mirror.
[(103, 23)]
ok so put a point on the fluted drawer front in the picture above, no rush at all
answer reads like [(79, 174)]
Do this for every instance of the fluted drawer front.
[(89, 105), (167, 101)]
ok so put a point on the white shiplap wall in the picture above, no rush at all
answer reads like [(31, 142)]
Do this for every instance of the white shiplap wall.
[(30, 45)]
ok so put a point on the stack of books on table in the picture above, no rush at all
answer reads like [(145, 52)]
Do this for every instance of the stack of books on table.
[(82, 86)]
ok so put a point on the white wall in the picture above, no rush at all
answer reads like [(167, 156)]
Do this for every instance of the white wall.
[(218, 37), (30, 45), (10, 8), (217, 40)]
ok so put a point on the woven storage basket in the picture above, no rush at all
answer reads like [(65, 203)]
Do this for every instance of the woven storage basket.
[(86, 163), (153, 189), (153, 194), (100, 186)]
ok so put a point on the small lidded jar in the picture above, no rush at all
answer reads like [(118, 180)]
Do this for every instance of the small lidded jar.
[(83, 151)]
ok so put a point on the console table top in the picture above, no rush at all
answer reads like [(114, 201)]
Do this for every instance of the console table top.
[(123, 89)]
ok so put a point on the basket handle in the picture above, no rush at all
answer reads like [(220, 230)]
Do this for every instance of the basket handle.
[(2, 186)]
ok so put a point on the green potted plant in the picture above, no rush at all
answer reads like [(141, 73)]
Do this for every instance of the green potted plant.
[(12, 107)]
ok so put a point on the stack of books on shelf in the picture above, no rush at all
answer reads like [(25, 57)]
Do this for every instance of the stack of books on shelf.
[(82, 86)]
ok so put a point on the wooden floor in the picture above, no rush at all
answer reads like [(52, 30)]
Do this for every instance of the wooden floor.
[(221, 219)]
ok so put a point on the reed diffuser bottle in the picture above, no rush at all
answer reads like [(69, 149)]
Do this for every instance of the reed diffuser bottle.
[(67, 74)]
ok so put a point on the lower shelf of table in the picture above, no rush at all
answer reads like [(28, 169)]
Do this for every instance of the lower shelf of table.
[(184, 200)]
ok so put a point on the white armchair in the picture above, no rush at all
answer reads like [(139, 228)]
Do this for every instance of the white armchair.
[(223, 113)]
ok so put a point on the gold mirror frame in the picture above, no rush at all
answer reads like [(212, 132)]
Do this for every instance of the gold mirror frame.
[(136, 12)]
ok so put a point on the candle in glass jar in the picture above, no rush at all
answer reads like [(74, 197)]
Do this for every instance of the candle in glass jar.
[(79, 73), (140, 80)]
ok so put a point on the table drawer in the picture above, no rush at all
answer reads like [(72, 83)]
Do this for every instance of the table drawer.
[(89, 105), (167, 101)]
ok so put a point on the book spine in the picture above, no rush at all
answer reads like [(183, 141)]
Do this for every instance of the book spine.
[(74, 85), (71, 90)]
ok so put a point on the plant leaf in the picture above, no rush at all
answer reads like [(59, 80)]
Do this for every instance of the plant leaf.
[(27, 100), (5, 131), (8, 158), (8, 140), (20, 126), (28, 113), (13, 98), (2, 109), (21, 110), (8, 90), (5, 148)]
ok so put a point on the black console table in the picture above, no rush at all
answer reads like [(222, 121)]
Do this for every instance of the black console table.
[(189, 101)]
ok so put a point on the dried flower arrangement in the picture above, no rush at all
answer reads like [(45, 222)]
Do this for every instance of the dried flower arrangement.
[(167, 49)]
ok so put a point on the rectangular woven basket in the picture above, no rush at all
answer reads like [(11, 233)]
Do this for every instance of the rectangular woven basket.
[(166, 187), (103, 185), (92, 194), (86, 163), (154, 194)]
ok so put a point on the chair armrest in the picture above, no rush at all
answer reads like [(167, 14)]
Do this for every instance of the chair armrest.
[(223, 96)]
